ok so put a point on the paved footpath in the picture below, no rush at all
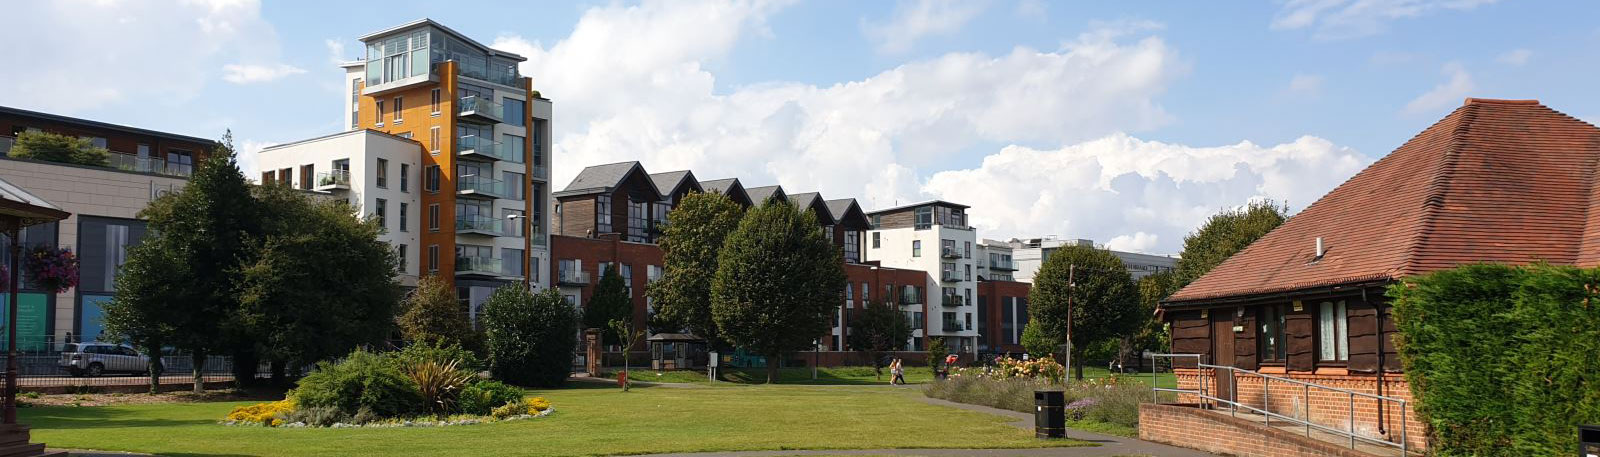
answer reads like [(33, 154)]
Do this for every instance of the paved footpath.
[(1108, 445)]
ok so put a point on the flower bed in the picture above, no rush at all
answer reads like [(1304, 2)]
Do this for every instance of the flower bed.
[(274, 414), (1109, 405)]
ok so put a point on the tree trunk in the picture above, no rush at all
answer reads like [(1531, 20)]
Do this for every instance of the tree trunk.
[(1077, 368), (772, 368), (198, 360), (245, 365), (154, 368), (279, 377)]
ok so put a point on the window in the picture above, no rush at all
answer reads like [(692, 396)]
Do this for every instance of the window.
[(969, 271), (947, 248), (567, 269), (267, 177), (827, 231), (399, 109), (180, 161), (433, 257), (405, 177), (403, 218), (383, 173), (602, 214), (638, 221), (514, 220), (430, 179), (849, 296), (969, 321), (433, 101), (1333, 343), (406, 135), (866, 297), (401, 253), (924, 217), (285, 176), (379, 118), (433, 217), (916, 248), (433, 140), (514, 111), (306, 173), (511, 259), (626, 271), (968, 253), (1270, 343), (355, 103), (512, 147), (538, 132), (877, 240), (383, 213), (852, 246), (515, 184)]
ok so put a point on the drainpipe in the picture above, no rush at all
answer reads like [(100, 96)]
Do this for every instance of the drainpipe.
[(1378, 314)]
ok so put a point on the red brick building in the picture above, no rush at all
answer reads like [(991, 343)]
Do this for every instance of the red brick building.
[(1002, 312), (1505, 181)]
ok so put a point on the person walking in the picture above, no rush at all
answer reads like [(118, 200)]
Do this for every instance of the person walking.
[(898, 370)]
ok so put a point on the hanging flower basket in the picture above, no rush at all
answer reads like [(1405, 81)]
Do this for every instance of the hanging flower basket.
[(53, 269)]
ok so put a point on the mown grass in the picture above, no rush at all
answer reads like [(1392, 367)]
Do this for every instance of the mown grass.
[(825, 376), (589, 420)]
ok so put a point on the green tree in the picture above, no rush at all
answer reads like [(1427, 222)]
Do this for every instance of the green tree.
[(1038, 343), (1102, 295), (878, 329), (628, 337), (608, 302), (138, 311), (322, 284), (1152, 334), (682, 296), (531, 336), (434, 314), (1223, 235), (206, 228), (936, 352), (58, 148), (777, 280)]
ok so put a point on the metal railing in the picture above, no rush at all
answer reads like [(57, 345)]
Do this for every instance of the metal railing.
[(1267, 415), (45, 362)]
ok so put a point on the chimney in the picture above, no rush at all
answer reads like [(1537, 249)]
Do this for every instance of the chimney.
[(1319, 250)]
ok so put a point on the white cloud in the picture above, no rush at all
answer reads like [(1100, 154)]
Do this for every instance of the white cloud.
[(247, 151), (1304, 86), (1104, 188), (1033, 9), (1515, 57), (335, 51), (156, 53), (1337, 19), (915, 19), (251, 74), (1454, 89)]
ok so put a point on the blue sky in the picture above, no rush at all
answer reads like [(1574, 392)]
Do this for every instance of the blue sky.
[(1126, 122)]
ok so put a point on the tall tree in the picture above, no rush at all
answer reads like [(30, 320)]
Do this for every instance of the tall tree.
[(434, 314), (682, 296), (777, 280), (877, 329), (530, 335), (608, 302), (1151, 335), (1103, 298), (206, 227), (138, 310), (1223, 235), (322, 284)]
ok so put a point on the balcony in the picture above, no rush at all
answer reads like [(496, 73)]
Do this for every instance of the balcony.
[(333, 180), (949, 276), (472, 186), (950, 253), (482, 110), (573, 278), (479, 225), (949, 327), (954, 300), (475, 147), (1002, 265), (906, 300), (541, 171), (482, 266), (130, 162)]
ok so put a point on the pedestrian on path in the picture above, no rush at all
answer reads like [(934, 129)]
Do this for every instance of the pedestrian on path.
[(897, 368)]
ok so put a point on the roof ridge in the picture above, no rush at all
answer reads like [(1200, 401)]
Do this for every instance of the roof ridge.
[(1438, 186)]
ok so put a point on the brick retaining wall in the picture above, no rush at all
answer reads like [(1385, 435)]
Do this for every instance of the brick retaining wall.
[(1195, 428)]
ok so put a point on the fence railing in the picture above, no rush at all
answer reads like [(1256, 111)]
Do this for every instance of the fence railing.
[(1209, 392), (45, 362)]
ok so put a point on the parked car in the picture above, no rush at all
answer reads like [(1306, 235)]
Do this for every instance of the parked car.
[(95, 359)]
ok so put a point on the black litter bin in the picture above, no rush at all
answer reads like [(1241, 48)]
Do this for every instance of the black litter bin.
[(1050, 416), (1589, 440)]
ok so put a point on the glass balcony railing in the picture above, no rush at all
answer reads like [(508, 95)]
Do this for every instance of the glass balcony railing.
[(541, 171), (949, 276), (954, 300), (573, 278), (950, 253), (953, 326), (483, 266), (482, 109), (336, 179), (476, 146), (1002, 265), (478, 186), (480, 225)]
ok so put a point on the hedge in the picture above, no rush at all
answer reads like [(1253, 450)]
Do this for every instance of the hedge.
[(1502, 360)]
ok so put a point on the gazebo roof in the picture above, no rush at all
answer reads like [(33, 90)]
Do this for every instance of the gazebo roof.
[(32, 210)]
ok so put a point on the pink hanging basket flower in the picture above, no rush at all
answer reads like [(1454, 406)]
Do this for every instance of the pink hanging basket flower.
[(51, 268)]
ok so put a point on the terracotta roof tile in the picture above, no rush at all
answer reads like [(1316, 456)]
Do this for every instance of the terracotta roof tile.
[(1495, 181)]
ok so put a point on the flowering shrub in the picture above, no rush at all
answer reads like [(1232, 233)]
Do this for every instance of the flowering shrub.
[(269, 414), (1043, 367), (1078, 409), (538, 404), (53, 269)]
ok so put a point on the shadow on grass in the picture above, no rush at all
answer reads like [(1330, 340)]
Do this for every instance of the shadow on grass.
[(98, 417)]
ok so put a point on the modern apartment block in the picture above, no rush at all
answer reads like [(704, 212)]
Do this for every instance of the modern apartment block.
[(934, 237), (104, 203), (447, 145), (1030, 253)]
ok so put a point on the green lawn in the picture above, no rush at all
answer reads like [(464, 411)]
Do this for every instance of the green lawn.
[(825, 376), (593, 420)]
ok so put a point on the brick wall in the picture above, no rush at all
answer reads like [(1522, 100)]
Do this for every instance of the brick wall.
[(1327, 407), (1191, 427)]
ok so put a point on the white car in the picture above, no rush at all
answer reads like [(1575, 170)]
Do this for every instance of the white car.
[(95, 359)]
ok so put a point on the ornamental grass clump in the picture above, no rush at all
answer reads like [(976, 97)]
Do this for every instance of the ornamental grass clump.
[(1009, 384)]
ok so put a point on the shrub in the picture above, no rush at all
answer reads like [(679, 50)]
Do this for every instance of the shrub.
[(58, 148), (1109, 400), (1037, 342), (270, 414), (318, 416), (442, 352), (538, 404), (516, 408), (481, 398), (362, 379), (438, 383), (432, 313), (530, 336)]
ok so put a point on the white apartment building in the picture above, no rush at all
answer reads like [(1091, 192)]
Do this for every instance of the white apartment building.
[(1029, 254), (933, 237), (994, 260)]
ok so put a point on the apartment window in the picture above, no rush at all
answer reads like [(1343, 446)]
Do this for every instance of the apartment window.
[(433, 217), (433, 101), (400, 253), (1333, 343), (514, 111), (638, 221), (1270, 343), (515, 184), (626, 271), (918, 323), (383, 173), (403, 226), (968, 253), (968, 302), (399, 109), (969, 321), (513, 147), (511, 259), (827, 231), (433, 140), (383, 213), (379, 118), (267, 177), (866, 295), (602, 214), (877, 240), (514, 220), (430, 179), (538, 151), (433, 258), (285, 177), (405, 177), (849, 296), (947, 248), (924, 217), (949, 322), (306, 173), (948, 270), (969, 271), (355, 103), (852, 246), (567, 269), (916, 248)]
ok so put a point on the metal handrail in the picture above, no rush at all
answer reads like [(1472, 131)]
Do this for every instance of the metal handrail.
[(1266, 396)]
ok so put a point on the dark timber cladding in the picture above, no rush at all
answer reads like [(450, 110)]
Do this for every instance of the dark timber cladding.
[(906, 216), (1507, 181)]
